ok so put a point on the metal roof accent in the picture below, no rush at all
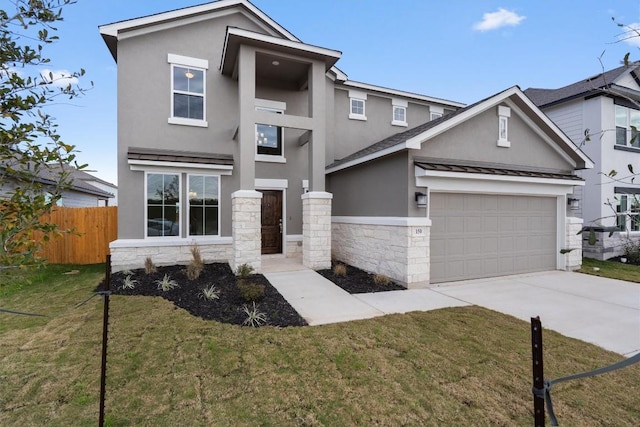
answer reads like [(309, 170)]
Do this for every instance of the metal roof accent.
[(488, 170), (159, 155)]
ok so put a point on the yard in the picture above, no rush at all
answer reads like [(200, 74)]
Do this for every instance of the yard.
[(463, 366)]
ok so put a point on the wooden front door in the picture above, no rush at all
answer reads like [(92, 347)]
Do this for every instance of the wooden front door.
[(271, 222)]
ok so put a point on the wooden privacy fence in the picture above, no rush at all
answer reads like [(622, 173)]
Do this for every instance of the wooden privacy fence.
[(94, 229)]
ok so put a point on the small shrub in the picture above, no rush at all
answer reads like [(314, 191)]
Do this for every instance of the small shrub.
[(250, 291), (340, 269), (254, 318), (166, 284), (631, 251), (126, 272), (196, 265), (149, 266), (381, 279), (129, 282), (210, 293), (243, 271)]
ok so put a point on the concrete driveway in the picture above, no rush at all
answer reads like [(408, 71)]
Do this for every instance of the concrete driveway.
[(597, 310)]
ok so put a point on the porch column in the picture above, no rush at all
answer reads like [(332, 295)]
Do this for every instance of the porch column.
[(316, 230), (247, 111), (246, 229), (318, 137)]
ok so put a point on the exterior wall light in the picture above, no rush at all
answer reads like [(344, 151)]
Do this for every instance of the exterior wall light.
[(574, 204), (421, 199)]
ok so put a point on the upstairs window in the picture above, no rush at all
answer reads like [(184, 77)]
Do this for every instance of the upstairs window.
[(399, 111), (503, 126), (627, 126), (270, 138), (357, 105), (188, 90), (435, 112)]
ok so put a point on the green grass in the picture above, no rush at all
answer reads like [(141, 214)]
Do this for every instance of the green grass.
[(462, 366), (611, 269)]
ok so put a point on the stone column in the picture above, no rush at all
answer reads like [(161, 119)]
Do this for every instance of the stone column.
[(316, 230), (573, 241), (246, 224)]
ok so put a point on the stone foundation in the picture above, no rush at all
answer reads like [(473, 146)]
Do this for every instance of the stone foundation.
[(397, 247), (294, 246), (246, 228), (316, 230), (129, 254), (573, 240)]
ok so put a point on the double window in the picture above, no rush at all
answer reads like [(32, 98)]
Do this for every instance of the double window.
[(627, 211), (627, 126), (165, 196), (188, 90)]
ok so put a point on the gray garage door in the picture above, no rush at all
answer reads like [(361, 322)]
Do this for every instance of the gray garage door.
[(475, 236)]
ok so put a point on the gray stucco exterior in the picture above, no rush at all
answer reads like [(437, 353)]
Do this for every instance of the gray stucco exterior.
[(335, 162)]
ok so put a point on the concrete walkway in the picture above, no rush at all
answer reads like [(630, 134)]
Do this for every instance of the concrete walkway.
[(600, 311)]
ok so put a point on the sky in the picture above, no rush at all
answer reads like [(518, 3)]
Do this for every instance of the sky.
[(457, 50)]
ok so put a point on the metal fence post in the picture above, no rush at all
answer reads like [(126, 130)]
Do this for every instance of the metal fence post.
[(105, 330), (538, 371)]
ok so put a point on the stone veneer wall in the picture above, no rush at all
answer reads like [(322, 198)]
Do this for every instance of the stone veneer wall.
[(293, 246), (395, 247), (573, 240), (316, 230), (129, 254), (607, 246), (246, 229)]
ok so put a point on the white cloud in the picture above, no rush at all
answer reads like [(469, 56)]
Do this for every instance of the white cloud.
[(631, 34), (501, 18), (60, 78)]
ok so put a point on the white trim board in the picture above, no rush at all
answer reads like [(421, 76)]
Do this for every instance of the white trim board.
[(399, 221)]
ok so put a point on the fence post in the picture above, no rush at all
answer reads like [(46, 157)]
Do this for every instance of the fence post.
[(105, 327), (538, 371)]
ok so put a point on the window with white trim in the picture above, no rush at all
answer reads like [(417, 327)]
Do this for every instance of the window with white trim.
[(627, 126), (204, 196), (399, 112), (163, 204), (188, 90), (357, 105), (435, 112), (269, 137), (627, 212), (503, 126), (164, 199)]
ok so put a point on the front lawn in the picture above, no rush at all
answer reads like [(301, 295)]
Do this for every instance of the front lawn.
[(611, 269), (462, 366)]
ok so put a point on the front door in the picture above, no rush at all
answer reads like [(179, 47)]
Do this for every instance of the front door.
[(271, 222)]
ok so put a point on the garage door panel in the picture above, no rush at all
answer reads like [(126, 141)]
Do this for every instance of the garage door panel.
[(475, 236)]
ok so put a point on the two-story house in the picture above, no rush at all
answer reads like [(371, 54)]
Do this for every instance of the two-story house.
[(601, 114), (238, 137)]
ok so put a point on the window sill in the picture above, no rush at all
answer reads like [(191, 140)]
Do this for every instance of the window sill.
[(627, 148), (187, 122), (357, 117), (397, 123), (270, 159), (504, 143)]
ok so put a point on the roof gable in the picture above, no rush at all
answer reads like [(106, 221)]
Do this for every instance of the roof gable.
[(415, 137), (617, 77)]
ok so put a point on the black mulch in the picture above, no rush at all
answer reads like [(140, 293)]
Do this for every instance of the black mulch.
[(357, 281), (227, 309)]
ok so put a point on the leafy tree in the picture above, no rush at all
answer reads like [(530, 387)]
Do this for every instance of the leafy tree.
[(34, 161)]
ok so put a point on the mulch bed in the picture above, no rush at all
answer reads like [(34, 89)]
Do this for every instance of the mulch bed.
[(228, 308), (357, 281)]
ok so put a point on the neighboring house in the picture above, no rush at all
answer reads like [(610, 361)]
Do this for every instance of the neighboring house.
[(85, 190), (242, 139), (601, 114)]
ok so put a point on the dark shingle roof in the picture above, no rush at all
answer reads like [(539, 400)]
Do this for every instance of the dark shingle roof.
[(546, 97), (488, 170)]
